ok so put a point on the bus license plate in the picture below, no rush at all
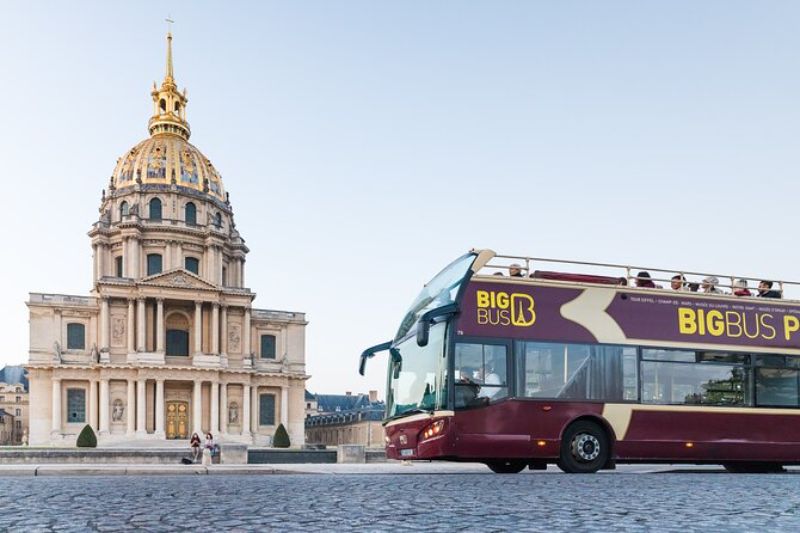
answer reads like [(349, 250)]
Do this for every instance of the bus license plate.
[(406, 452)]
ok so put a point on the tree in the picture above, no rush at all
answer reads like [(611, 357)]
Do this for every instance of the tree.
[(87, 438), (281, 438)]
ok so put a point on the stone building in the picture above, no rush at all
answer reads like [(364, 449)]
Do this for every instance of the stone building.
[(346, 419), (168, 342), (14, 404)]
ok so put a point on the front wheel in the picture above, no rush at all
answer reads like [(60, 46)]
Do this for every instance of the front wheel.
[(506, 466), (584, 448)]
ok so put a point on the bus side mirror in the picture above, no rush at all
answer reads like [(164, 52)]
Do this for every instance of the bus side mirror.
[(425, 321), (370, 353), (423, 332)]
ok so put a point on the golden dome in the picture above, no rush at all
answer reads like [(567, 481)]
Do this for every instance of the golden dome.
[(166, 160)]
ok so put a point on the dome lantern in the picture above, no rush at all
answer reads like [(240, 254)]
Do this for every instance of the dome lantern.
[(169, 104)]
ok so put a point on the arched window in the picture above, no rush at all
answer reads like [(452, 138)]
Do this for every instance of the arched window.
[(192, 264), (163, 105), (155, 209), (191, 214), (118, 268), (153, 264), (177, 106), (218, 220), (76, 337), (124, 210)]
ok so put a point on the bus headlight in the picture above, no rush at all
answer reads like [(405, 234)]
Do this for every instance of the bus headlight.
[(433, 430)]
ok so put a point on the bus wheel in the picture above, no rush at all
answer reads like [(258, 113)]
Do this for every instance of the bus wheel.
[(506, 466), (754, 468), (584, 448)]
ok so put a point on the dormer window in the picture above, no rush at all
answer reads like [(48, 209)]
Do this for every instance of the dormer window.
[(218, 220), (124, 210)]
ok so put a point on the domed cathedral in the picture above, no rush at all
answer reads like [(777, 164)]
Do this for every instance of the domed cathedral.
[(168, 342)]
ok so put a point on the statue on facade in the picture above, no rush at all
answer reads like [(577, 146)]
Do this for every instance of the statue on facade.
[(285, 364), (133, 210), (57, 352), (117, 411), (233, 413), (95, 354)]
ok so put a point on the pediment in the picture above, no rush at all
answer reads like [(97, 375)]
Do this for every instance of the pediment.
[(178, 278)]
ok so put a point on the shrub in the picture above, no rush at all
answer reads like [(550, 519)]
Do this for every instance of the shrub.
[(281, 438), (87, 438)]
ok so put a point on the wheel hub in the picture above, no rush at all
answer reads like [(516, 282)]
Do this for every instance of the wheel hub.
[(585, 447)]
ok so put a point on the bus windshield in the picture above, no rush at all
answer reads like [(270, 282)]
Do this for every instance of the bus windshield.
[(440, 291), (416, 377)]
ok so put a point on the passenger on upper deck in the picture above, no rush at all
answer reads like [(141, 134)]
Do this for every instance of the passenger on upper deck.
[(515, 270), (678, 283), (765, 290), (644, 281), (740, 288), (710, 285)]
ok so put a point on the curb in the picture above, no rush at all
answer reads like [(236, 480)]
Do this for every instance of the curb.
[(49, 470)]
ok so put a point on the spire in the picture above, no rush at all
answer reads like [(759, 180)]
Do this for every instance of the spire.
[(169, 104)]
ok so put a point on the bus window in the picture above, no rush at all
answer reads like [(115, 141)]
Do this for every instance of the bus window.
[(694, 384), (777, 387), (481, 373), (576, 371)]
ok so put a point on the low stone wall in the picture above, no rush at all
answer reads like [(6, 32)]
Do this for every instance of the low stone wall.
[(260, 456), (39, 456)]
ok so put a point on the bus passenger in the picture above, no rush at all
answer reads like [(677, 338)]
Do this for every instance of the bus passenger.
[(644, 281), (710, 285), (765, 290), (693, 287), (622, 281), (740, 288), (498, 274), (515, 270), (678, 283)]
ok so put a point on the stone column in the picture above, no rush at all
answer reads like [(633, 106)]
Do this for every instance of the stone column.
[(197, 408), (141, 428), (224, 331), (285, 407), (56, 407), (215, 328), (246, 410), (160, 408), (104, 401), (241, 273), (105, 320), (254, 409), (214, 408), (141, 326), (160, 326), (223, 407), (133, 251), (101, 260), (198, 327), (131, 327), (95, 270), (131, 408), (246, 333), (93, 405)]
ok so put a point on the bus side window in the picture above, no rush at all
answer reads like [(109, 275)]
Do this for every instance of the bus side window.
[(481, 373)]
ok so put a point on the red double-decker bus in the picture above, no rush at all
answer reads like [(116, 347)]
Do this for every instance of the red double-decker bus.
[(514, 363)]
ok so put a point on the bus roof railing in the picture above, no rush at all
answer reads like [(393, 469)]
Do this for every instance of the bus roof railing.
[(529, 266)]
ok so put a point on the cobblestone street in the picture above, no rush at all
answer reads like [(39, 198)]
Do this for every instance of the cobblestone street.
[(380, 502)]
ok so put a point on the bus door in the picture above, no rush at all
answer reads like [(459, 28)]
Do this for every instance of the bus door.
[(484, 423)]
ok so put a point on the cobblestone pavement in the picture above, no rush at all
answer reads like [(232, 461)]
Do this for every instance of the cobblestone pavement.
[(405, 502)]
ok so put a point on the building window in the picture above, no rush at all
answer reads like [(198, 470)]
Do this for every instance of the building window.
[(192, 264), (155, 209), (76, 337), (19, 424), (118, 266), (18, 399), (17, 412), (191, 214), (124, 210), (177, 342), (267, 346), (153, 264), (224, 276), (76, 405), (266, 410), (218, 220)]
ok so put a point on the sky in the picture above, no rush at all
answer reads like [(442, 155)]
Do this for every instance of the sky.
[(367, 144)]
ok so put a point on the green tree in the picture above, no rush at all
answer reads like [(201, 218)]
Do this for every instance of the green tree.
[(281, 438), (87, 438)]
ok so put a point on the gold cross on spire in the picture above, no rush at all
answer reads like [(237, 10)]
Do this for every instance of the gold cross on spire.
[(170, 74)]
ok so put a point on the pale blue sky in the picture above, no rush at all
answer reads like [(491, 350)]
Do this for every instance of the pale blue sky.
[(366, 144)]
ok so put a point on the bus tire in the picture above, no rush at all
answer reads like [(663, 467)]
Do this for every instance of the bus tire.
[(585, 448), (754, 468), (506, 466)]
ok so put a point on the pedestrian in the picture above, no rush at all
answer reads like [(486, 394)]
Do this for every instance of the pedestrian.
[(194, 444)]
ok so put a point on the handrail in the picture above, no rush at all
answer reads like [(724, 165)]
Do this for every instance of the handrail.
[(629, 273)]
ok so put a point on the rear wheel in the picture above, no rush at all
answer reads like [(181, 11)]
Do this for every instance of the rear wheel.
[(754, 468), (584, 448), (506, 466)]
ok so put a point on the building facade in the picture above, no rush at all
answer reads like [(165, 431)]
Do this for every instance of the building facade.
[(345, 419), (14, 406), (168, 342)]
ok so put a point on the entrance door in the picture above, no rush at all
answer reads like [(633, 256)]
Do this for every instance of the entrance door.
[(177, 420)]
